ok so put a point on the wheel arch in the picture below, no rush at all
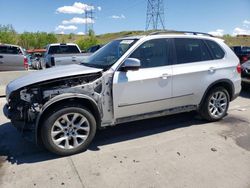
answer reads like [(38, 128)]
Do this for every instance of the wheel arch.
[(83, 100), (226, 83)]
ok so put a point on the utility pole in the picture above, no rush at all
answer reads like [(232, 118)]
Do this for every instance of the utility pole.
[(155, 15), (89, 18)]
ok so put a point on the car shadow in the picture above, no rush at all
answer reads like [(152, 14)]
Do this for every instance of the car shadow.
[(19, 151)]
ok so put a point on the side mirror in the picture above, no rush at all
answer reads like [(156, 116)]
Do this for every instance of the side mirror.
[(131, 64)]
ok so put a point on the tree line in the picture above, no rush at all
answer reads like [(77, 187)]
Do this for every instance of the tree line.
[(31, 40)]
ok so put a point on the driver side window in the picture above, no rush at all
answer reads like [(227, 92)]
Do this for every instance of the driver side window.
[(153, 53)]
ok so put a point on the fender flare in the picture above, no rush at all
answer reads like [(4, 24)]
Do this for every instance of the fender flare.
[(61, 98), (221, 81)]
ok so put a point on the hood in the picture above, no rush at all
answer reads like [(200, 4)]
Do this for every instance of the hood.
[(246, 65), (49, 74)]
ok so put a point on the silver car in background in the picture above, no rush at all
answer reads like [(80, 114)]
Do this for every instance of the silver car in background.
[(12, 58)]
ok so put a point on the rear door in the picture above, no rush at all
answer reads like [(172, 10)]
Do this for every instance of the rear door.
[(193, 71)]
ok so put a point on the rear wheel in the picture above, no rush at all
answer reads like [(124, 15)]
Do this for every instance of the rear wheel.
[(215, 105), (68, 130)]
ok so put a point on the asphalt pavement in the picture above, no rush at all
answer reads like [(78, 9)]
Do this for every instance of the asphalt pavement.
[(175, 151)]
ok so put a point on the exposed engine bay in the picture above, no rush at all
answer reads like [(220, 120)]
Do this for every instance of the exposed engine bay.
[(26, 104)]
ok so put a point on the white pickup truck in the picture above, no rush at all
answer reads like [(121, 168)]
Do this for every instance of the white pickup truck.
[(63, 54)]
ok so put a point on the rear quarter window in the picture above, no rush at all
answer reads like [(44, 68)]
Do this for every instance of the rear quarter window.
[(216, 50)]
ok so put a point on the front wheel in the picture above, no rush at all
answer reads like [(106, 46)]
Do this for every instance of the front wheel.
[(68, 130), (215, 105)]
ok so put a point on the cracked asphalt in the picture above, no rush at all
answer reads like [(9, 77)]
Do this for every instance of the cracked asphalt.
[(175, 151)]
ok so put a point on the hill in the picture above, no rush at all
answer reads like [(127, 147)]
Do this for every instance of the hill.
[(105, 38)]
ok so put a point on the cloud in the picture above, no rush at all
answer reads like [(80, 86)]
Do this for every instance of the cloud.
[(99, 8), (63, 28), (218, 32), (241, 31), (118, 17), (76, 8), (80, 33), (77, 20), (247, 22)]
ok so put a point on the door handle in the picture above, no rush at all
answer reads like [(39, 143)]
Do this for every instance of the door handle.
[(165, 76), (212, 69)]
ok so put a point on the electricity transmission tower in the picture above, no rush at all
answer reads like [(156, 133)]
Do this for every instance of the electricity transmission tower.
[(89, 19), (155, 15)]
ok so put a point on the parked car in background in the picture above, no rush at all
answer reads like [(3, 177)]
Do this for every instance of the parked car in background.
[(128, 79), (245, 75), (93, 49), (13, 58), (63, 54), (243, 53), (37, 58)]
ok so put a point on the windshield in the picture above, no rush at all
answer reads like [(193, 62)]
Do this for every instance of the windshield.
[(109, 54)]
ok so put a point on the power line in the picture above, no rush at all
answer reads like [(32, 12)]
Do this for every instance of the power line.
[(155, 15)]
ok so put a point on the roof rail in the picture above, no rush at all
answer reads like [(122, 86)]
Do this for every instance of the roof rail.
[(180, 32)]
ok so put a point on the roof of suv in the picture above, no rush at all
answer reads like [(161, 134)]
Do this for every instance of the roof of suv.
[(186, 34)]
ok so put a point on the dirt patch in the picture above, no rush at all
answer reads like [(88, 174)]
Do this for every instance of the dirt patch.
[(239, 130)]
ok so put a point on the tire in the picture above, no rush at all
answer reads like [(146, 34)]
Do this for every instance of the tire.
[(69, 136), (215, 108)]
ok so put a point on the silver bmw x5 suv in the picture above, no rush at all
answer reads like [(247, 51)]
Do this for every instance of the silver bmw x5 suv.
[(128, 79)]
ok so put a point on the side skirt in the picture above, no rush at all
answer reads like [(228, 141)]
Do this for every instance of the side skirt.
[(166, 112)]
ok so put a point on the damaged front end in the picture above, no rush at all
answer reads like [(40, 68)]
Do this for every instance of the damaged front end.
[(26, 105)]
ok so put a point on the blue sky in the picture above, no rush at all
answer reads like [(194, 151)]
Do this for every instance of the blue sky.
[(218, 16)]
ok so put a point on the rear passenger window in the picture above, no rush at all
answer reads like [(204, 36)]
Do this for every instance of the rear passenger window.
[(63, 49), (13, 50), (216, 50), (153, 53), (69, 49), (191, 50), (10, 50)]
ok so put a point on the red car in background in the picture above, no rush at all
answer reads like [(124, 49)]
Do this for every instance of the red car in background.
[(243, 53)]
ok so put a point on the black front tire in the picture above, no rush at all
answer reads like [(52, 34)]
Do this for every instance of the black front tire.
[(51, 118)]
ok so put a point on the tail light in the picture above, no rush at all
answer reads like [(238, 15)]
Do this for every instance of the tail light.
[(25, 63), (239, 68)]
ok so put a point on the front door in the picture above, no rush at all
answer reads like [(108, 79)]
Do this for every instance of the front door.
[(148, 89)]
